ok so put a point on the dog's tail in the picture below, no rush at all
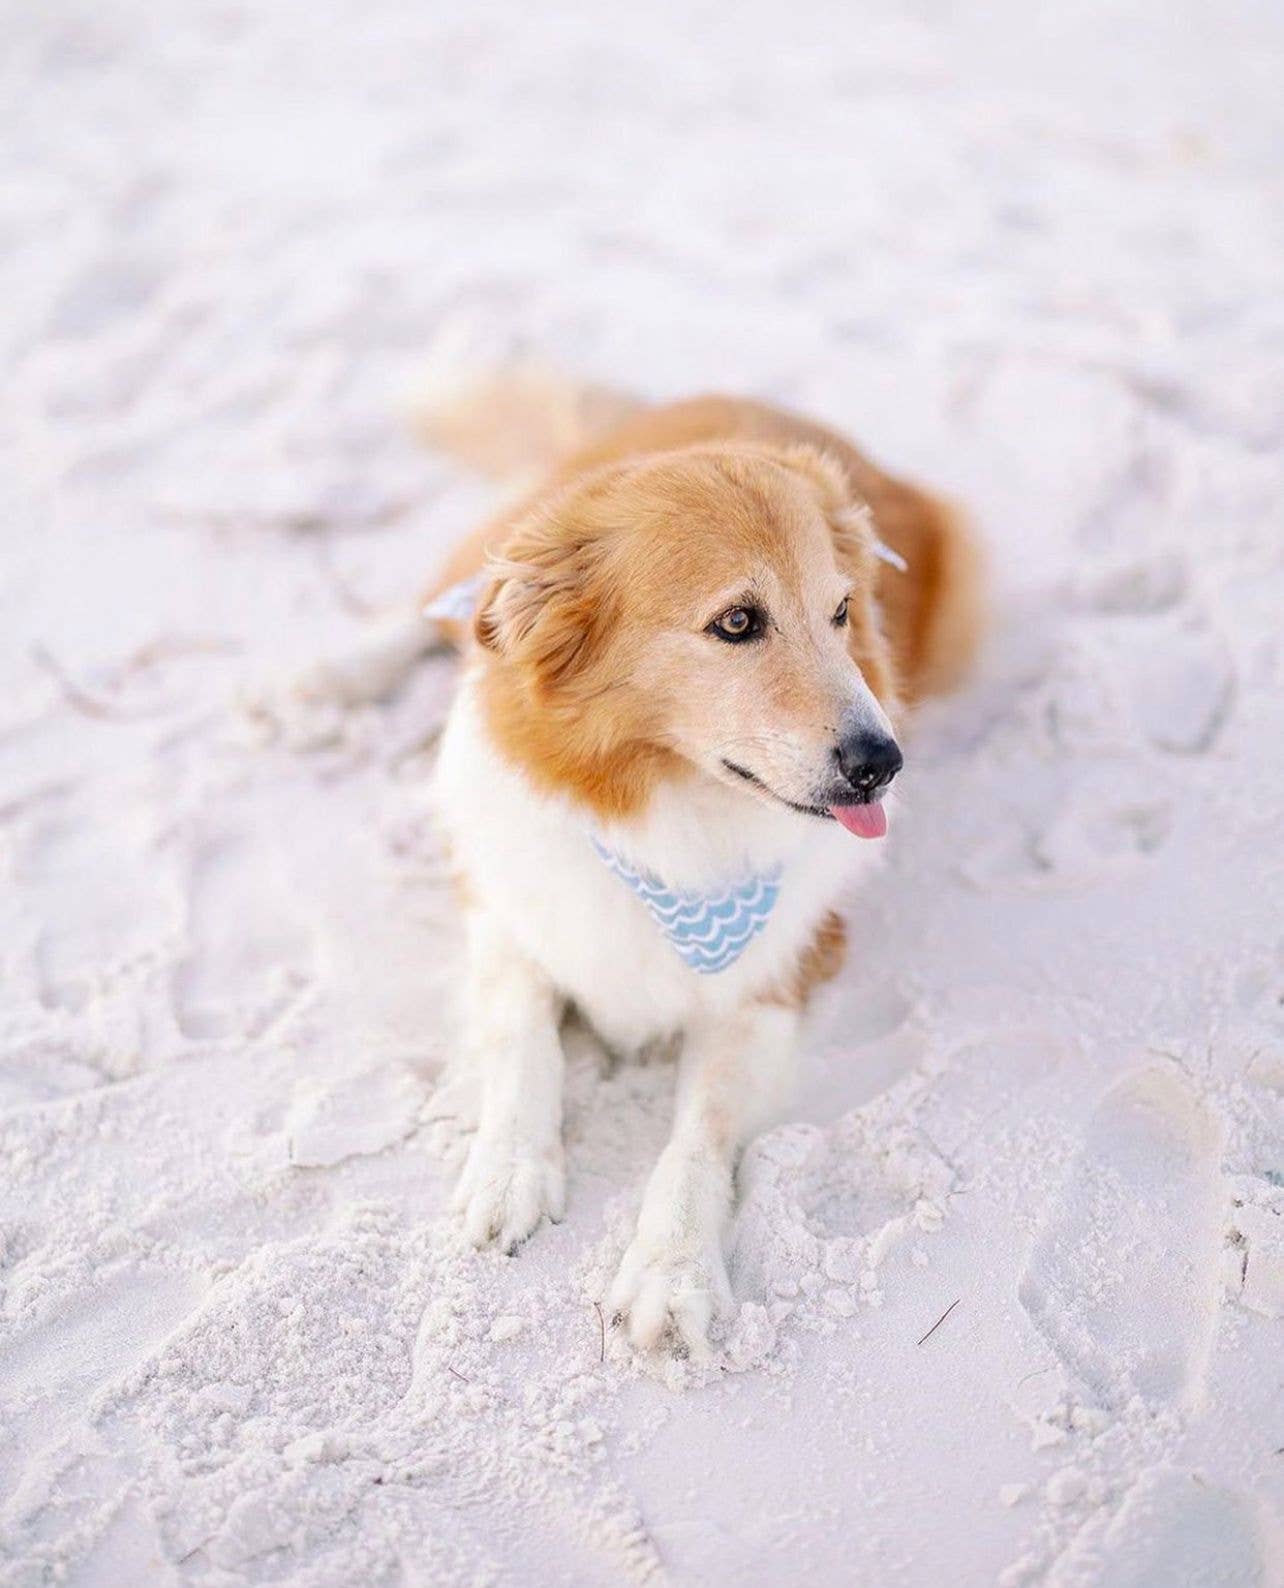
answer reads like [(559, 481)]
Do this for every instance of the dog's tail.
[(510, 422), (933, 613), (954, 620)]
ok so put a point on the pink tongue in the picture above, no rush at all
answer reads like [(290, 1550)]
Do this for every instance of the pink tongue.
[(866, 821)]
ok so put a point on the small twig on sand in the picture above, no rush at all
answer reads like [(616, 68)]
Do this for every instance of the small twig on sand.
[(941, 1319), (459, 1376), (601, 1322)]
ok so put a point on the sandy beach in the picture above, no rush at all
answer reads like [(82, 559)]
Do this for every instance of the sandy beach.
[(1010, 1278)]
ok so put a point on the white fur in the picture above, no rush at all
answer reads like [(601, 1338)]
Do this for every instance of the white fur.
[(550, 923)]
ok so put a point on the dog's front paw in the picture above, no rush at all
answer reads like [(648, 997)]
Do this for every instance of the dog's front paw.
[(506, 1189), (662, 1290)]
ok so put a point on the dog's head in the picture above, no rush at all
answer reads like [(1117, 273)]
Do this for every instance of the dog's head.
[(710, 611)]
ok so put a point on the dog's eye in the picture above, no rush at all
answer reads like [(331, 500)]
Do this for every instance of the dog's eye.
[(737, 624), (840, 617)]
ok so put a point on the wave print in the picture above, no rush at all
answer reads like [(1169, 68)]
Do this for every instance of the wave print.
[(709, 931)]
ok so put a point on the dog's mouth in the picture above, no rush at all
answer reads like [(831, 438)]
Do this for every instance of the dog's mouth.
[(861, 815)]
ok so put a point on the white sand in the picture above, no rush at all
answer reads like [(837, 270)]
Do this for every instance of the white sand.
[(1038, 263)]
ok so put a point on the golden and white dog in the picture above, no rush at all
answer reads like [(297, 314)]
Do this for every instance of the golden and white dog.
[(694, 640)]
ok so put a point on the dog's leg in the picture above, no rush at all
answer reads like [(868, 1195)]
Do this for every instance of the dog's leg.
[(732, 1076), (515, 1175), (306, 707)]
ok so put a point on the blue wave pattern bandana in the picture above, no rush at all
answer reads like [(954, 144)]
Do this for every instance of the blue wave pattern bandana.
[(708, 930)]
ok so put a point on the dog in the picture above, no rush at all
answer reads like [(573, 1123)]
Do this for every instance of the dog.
[(692, 640)]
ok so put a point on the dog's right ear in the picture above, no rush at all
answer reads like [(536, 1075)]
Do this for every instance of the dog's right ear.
[(537, 605)]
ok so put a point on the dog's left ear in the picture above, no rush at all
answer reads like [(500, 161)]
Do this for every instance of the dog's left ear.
[(537, 606)]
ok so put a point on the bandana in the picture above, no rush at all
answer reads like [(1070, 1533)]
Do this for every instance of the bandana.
[(708, 931)]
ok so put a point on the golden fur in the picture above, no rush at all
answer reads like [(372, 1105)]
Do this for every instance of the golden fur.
[(601, 579), (818, 963)]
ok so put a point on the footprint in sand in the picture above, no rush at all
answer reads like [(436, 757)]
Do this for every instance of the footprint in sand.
[(834, 1202), (1183, 692), (1122, 1281), (248, 957), (1173, 688), (96, 1334), (331, 1121), (1259, 987), (1172, 1528), (1136, 586), (48, 1374), (95, 917), (1107, 824), (1181, 682)]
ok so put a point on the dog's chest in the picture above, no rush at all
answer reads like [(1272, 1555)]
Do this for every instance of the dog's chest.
[(594, 938), (569, 900)]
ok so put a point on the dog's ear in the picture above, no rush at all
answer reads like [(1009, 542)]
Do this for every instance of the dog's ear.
[(539, 606), (857, 552), (823, 473), (845, 509)]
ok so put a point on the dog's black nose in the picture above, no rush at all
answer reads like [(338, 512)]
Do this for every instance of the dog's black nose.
[(868, 760)]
